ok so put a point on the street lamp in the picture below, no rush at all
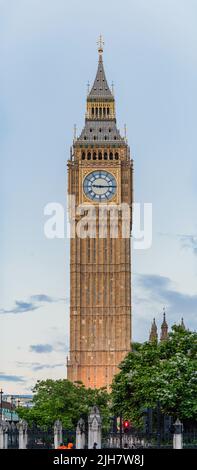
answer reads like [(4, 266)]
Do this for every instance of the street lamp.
[(11, 409), (158, 424), (1, 393), (121, 429)]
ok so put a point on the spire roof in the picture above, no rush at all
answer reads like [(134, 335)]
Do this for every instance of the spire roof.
[(100, 118), (164, 327), (164, 324), (100, 88)]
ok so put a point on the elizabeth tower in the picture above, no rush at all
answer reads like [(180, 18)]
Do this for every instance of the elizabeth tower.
[(99, 173)]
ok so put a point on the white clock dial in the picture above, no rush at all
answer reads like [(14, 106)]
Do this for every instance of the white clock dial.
[(100, 186)]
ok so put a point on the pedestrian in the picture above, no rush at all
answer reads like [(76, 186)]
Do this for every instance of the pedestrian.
[(62, 446), (95, 445), (126, 446), (70, 445)]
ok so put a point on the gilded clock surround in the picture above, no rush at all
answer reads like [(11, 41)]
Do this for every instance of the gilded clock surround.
[(116, 172)]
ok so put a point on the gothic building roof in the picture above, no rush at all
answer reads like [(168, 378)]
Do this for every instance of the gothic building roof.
[(100, 131)]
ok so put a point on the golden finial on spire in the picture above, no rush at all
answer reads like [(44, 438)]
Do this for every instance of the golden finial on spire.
[(100, 43)]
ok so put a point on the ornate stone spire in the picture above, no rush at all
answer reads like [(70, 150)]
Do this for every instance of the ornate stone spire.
[(153, 332), (164, 328), (100, 118), (183, 324), (100, 88)]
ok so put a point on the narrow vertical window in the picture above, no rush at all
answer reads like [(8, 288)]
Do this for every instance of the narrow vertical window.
[(94, 289), (105, 249), (88, 250), (87, 290), (111, 249), (105, 289), (94, 250), (111, 288)]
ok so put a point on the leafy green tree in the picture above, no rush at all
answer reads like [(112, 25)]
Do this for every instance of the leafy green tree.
[(66, 401), (164, 372)]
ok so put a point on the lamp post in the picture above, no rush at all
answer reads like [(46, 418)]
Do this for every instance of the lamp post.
[(158, 424), (11, 408), (1, 393), (121, 430)]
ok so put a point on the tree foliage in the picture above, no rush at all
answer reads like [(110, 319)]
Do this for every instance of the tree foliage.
[(66, 401), (164, 372)]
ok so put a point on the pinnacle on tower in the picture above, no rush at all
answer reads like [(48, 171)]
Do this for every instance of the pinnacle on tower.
[(100, 118), (164, 328), (153, 332), (183, 324), (100, 88)]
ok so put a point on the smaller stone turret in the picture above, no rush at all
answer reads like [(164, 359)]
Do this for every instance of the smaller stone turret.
[(183, 324), (164, 328), (153, 332)]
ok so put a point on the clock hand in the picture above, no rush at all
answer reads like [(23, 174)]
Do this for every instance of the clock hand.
[(99, 186), (102, 186)]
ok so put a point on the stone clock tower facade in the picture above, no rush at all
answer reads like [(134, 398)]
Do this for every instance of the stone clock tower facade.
[(99, 174)]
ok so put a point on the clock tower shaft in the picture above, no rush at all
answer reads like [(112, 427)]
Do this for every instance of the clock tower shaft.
[(100, 267)]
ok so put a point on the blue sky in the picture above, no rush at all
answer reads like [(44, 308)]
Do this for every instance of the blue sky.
[(48, 53)]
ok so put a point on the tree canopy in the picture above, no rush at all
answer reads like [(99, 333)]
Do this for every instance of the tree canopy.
[(66, 401), (150, 373), (164, 372)]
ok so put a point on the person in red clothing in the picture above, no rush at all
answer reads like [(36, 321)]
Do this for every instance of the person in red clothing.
[(62, 446), (70, 445)]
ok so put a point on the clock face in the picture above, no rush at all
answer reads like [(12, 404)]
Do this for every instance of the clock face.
[(100, 186)]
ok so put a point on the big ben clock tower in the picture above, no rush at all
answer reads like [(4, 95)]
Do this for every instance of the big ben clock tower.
[(99, 173)]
